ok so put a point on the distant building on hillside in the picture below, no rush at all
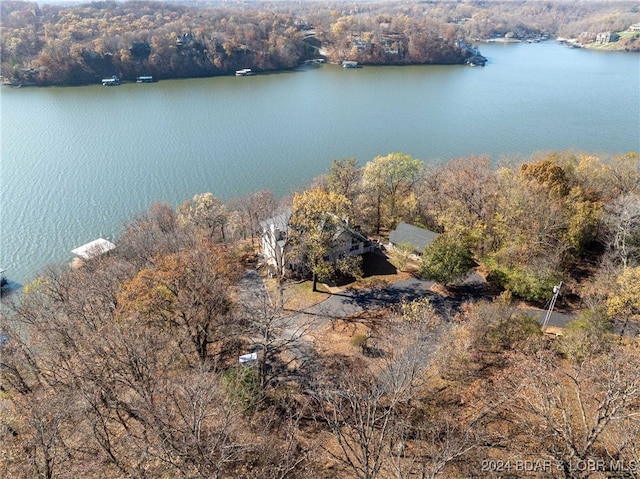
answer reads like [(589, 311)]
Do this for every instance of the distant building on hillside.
[(603, 38), (184, 39)]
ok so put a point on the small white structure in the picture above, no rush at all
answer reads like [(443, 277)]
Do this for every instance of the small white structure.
[(246, 358), (93, 249)]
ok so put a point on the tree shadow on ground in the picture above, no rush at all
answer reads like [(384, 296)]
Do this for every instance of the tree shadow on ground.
[(473, 288), (393, 297)]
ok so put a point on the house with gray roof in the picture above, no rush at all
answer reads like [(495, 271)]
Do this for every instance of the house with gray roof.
[(417, 237)]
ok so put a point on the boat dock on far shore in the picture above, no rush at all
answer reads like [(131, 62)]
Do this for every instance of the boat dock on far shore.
[(113, 81)]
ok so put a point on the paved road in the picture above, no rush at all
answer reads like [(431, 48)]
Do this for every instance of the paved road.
[(251, 290), (351, 302), (294, 327)]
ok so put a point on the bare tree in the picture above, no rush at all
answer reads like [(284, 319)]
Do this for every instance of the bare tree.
[(280, 452), (359, 412), (155, 231), (423, 446), (208, 213), (622, 223), (564, 413), (35, 445), (253, 209), (279, 339), (364, 406)]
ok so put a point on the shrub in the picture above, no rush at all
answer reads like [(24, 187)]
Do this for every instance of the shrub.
[(360, 341), (447, 259), (243, 386), (525, 283)]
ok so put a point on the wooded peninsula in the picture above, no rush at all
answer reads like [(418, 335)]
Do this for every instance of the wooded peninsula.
[(51, 44), (185, 352)]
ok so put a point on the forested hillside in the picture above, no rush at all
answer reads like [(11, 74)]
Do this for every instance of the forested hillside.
[(128, 364), (47, 44)]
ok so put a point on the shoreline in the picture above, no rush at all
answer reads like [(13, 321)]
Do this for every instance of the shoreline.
[(254, 73)]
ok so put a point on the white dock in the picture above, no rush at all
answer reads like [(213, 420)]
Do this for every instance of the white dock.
[(93, 249)]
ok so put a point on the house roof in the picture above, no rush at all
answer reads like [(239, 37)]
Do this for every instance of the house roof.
[(419, 238), (343, 228), (94, 248), (279, 222)]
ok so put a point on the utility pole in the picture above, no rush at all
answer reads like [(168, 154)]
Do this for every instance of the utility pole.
[(552, 303)]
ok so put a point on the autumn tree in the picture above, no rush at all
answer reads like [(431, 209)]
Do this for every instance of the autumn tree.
[(111, 358), (106, 372), (461, 196), (623, 303), (317, 222), (206, 212), (527, 235), (387, 181), (189, 290), (624, 171), (344, 178)]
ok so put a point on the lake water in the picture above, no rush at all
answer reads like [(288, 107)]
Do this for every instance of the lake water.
[(79, 161)]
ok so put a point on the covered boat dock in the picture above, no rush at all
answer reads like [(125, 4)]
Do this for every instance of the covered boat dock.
[(94, 248)]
